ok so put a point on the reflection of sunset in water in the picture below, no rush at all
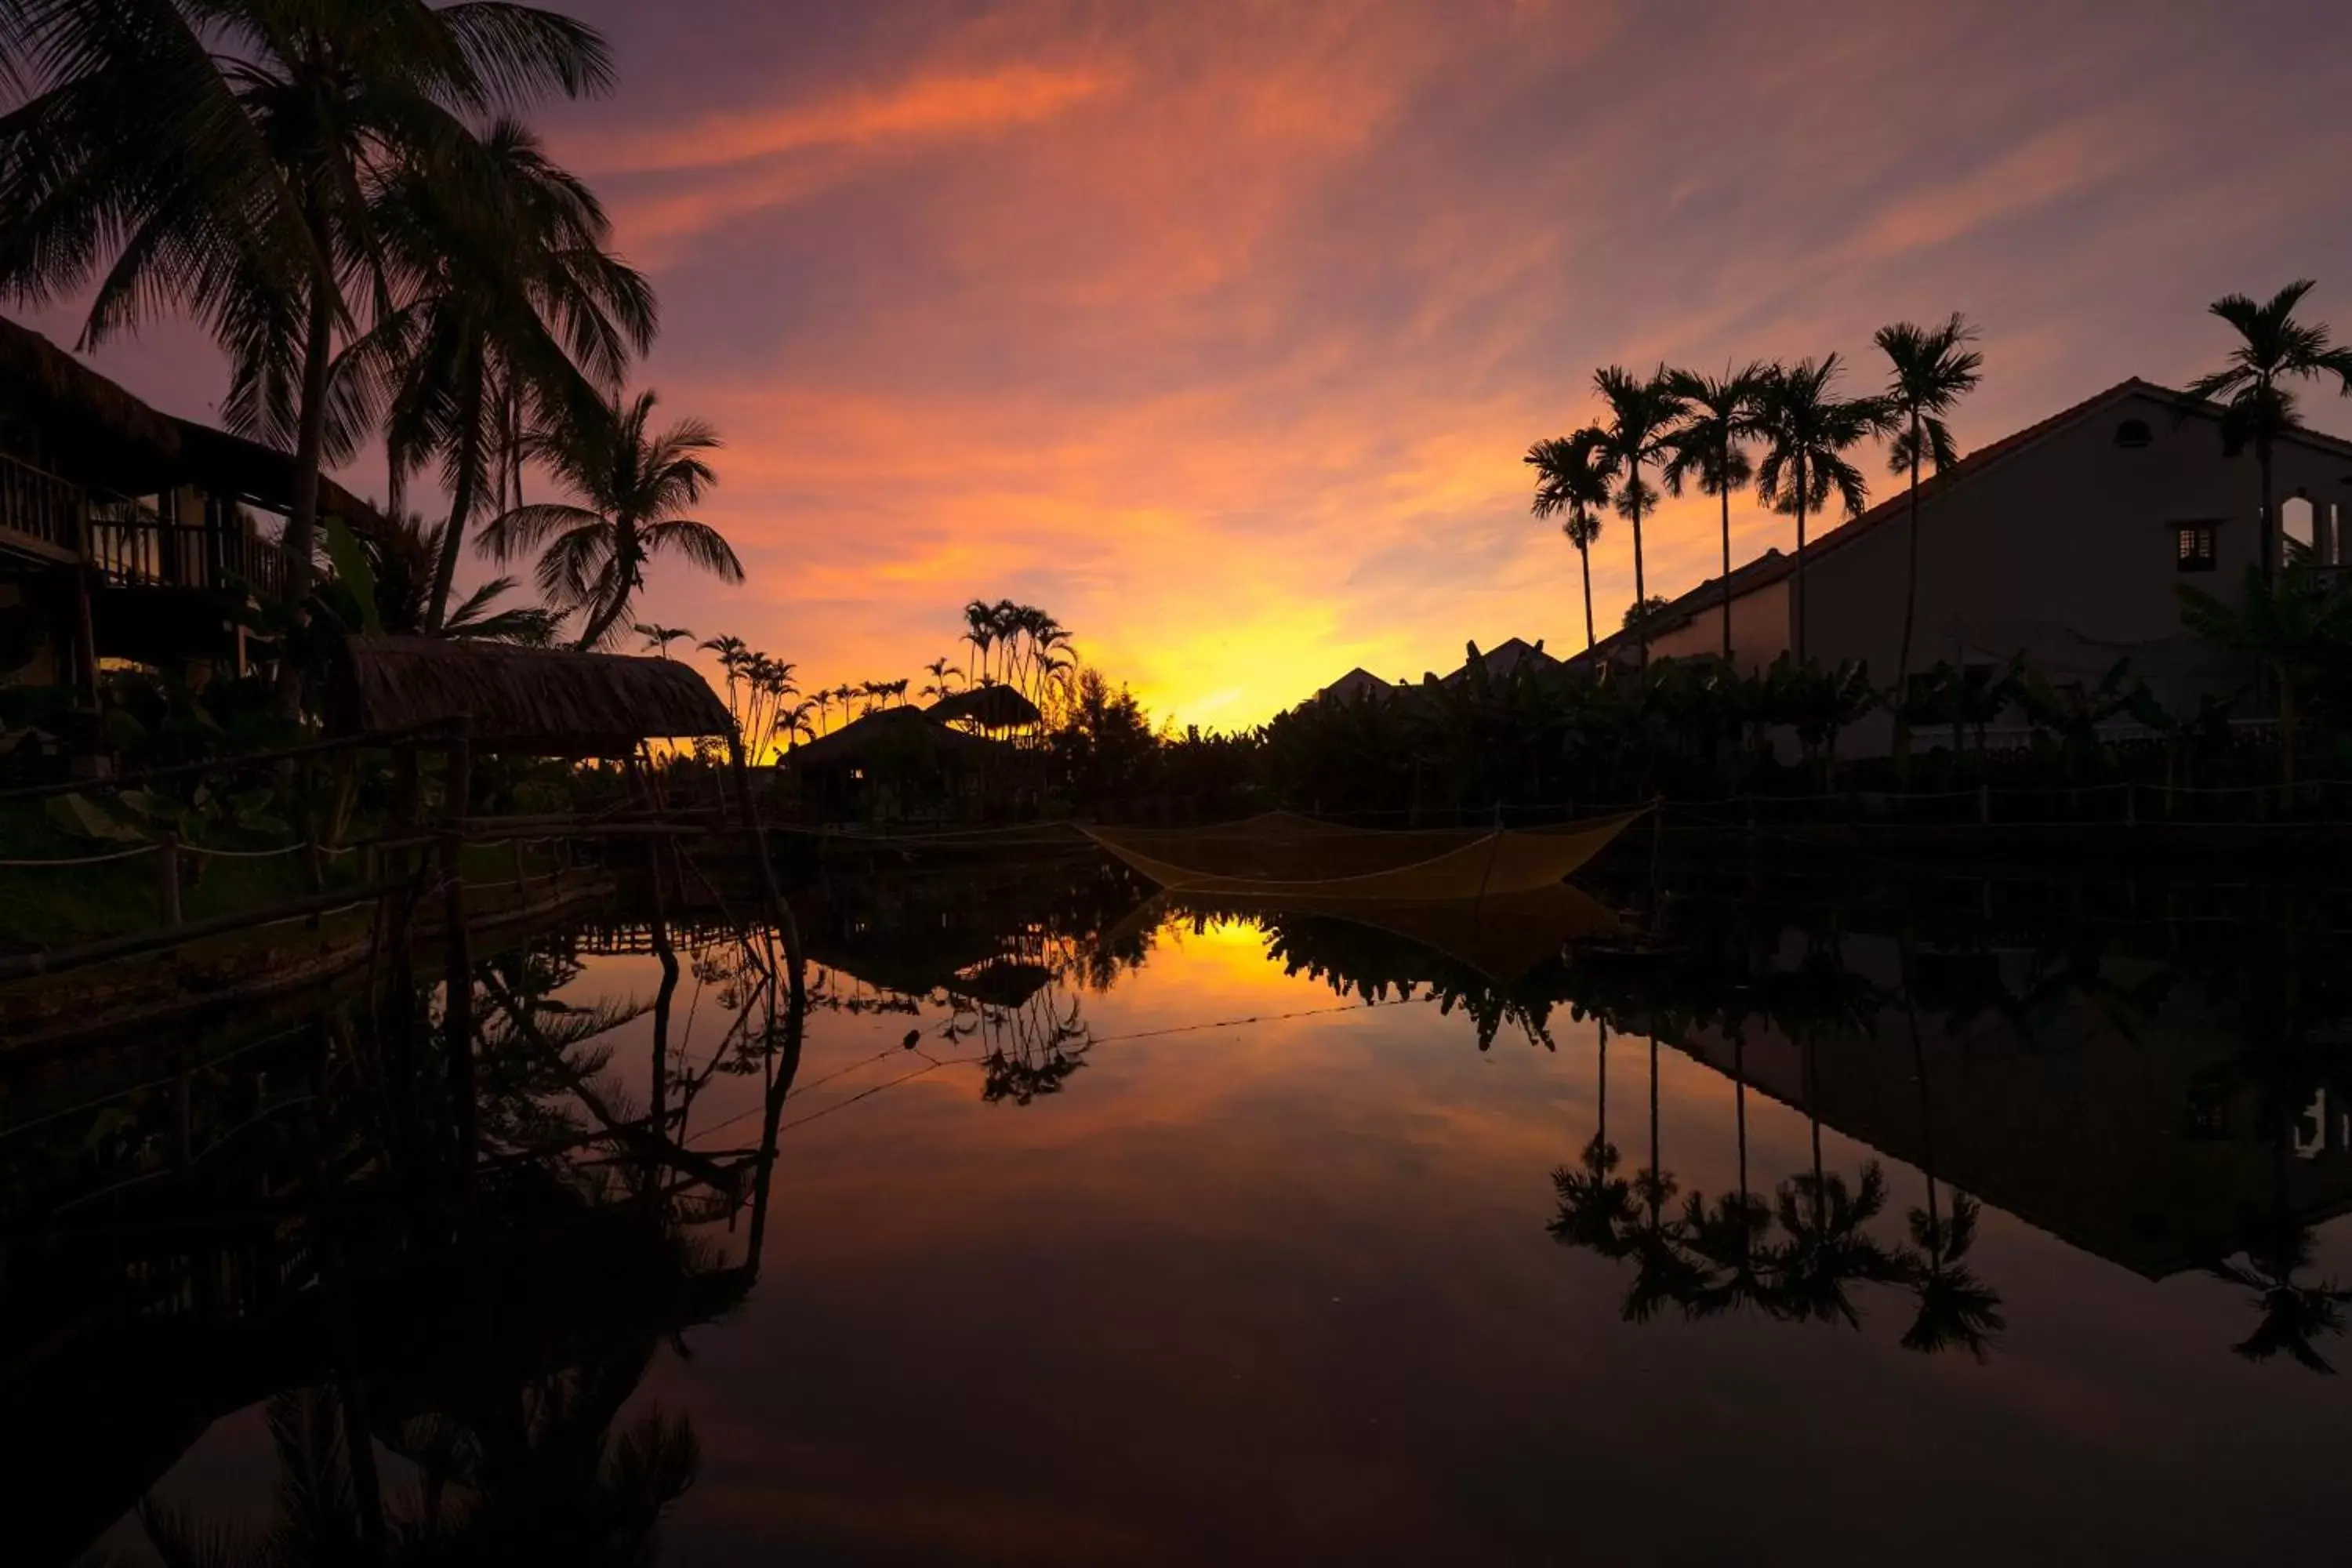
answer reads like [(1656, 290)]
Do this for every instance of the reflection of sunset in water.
[(1268, 1231), (1097, 1233)]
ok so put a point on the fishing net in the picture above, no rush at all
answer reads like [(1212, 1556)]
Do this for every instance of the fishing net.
[(1284, 856)]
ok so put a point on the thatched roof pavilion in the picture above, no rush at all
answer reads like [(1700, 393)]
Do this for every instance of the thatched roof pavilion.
[(990, 707), (887, 738), (541, 702)]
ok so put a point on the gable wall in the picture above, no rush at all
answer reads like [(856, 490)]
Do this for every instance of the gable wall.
[(2065, 551)]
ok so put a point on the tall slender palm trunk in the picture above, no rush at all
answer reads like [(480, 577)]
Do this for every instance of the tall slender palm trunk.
[(1657, 1172), (1640, 585), (628, 561), (2274, 541), (1726, 490), (300, 541), (1600, 1027), (1801, 564), (1584, 557), (461, 503), (1910, 588)]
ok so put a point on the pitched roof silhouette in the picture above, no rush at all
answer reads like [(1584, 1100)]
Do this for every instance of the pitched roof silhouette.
[(1775, 563)]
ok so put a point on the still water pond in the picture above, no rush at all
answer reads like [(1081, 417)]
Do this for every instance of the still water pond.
[(1073, 1228)]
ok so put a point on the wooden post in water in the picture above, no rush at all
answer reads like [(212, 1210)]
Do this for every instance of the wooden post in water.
[(458, 970)]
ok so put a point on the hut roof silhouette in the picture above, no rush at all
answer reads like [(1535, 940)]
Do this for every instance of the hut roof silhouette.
[(542, 701), (990, 707), (889, 737)]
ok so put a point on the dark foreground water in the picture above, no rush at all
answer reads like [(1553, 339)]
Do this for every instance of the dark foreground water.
[(1917, 1217)]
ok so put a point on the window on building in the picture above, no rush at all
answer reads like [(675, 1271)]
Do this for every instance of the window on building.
[(2196, 547), (2134, 432)]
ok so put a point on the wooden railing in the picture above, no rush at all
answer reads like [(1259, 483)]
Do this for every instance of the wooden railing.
[(127, 543), (39, 507), (132, 547)]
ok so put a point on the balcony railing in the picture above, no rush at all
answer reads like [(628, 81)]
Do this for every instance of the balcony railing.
[(40, 508), (132, 547)]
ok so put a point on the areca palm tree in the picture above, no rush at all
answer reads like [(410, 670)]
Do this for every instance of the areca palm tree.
[(731, 651), (942, 672), (506, 303), (979, 632), (658, 638), (1807, 430), (634, 483), (1955, 1308), (1829, 1247), (216, 157), (2273, 348), (1640, 424), (1932, 369), (1571, 478), (1720, 419)]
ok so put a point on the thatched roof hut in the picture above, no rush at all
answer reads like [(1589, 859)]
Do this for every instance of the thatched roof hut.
[(542, 701), (890, 738), (990, 707), (64, 417)]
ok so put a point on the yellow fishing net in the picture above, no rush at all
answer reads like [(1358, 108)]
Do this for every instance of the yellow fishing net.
[(1283, 855)]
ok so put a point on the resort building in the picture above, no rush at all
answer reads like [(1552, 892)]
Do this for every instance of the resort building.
[(1499, 661), (121, 528), (2063, 543)]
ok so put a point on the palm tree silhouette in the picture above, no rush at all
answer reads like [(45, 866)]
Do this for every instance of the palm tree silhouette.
[(1596, 1205), (1829, 1246), (659, 637), (636, 484), (2293, 1315), (1932, 368), (221, 158), (1954, 1308), (506, 297), (1807, 431), (942, 672), (1731, 1235), (2273, 348), (1640, 424), (1719, 418), (1570, 477)]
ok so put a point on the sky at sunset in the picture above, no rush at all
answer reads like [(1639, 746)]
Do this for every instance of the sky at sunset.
[(1219, 329)]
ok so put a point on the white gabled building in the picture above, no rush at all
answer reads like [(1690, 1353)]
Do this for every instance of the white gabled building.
[(2063, 542)]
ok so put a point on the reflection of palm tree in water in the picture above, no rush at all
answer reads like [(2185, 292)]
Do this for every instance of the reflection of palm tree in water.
[(1028, 1048), (1595, 1202), (1662, 1273), (1955, 1308), (1829, 1247), (513, 1417), (1728, 1237), (2293, 1315)]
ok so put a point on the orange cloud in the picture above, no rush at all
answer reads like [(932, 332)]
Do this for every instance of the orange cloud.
[(929, 106)]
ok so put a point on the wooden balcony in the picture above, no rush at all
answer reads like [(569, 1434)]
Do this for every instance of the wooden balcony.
[(132, 547), (128, 544), (40, 514)]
